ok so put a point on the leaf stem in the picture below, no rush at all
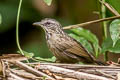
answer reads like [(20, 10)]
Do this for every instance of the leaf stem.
[(103, 14), (0, 19), (17, 28)]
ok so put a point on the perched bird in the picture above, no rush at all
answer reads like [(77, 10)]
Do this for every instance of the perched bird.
[(65, 48)]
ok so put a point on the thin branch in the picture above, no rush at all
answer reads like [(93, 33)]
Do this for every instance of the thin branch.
[(110, 8), (106, 75), (72, 73), (90, 22), (25, 74), (77, 66), (30, 69), (9, 74)]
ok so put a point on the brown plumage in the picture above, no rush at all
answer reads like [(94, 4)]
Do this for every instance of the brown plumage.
[(65, 48)]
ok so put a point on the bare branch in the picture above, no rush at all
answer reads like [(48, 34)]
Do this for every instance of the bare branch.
[(76, 66), (107, 75), (110, 8), (72, 73), (90, 22), (25, 74), (9, 74), (30, 69)]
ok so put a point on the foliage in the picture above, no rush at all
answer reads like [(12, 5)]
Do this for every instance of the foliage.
[(48, 2), (115, 30), (107, 45), (110, 43)]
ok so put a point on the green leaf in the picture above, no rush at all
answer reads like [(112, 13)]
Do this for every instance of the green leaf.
[(48, 2), (27, 54), (108, 46), (83, 41), (88, 36), (0, 19), (53, 59), (116, 48), (115, 30)]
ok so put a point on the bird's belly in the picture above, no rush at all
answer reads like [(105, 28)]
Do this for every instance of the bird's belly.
[(58, 52), (62, 57)]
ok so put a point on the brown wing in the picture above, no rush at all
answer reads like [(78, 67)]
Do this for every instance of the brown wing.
[(76, 48)]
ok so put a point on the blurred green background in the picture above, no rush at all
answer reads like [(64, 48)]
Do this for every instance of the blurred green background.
[(32, 38)]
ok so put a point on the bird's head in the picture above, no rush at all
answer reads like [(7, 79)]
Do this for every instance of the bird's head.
[(49, 25)]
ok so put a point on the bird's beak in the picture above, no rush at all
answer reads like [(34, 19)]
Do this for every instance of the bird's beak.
[(37, 24)]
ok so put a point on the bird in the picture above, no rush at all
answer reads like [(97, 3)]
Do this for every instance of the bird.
[(65, 48)]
